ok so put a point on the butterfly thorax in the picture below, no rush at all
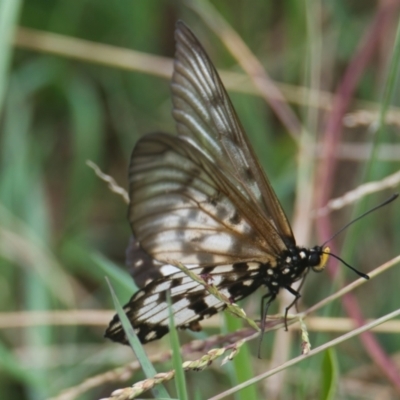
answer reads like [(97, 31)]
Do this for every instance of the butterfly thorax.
[(292, 265)]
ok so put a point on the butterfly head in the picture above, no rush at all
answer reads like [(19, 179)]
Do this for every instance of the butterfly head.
[(318, 257)]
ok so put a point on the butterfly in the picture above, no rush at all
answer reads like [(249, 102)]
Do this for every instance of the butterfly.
[(201, 198)]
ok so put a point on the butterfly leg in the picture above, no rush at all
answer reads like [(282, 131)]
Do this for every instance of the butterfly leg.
[(266, 300), (296, 295)]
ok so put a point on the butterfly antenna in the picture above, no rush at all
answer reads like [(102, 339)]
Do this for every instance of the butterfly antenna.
[(389, 200), (359, 273)]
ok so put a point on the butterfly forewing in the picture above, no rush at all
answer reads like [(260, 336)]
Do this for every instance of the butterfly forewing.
[(185, 209), (203, 111)]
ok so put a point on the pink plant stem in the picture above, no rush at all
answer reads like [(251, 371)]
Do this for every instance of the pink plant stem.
[(327, 168)]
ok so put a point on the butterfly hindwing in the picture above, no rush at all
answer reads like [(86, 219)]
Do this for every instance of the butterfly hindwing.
[(190, 302)]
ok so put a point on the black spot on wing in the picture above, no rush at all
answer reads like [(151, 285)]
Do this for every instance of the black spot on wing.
[(176, 282), (238, 290), (196, 239), (162, 296), (240, 267), (216, 99), (147, 329), (145, 332), (214, 199), (235, 218), (197, 303), (192, 174), (207, 270), (249, 174), (115, 331)]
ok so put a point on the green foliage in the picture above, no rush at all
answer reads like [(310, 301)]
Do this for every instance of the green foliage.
[(329, 375), (62, 230), (180, 380), (242, 368)]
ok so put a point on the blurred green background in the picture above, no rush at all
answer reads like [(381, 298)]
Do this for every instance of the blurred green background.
[(62, 230)]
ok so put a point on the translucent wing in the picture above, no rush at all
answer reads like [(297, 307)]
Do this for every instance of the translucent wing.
[(191, 302), (184, 208), (204, 112)]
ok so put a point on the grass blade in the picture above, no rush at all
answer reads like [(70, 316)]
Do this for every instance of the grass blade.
[(136, 346), (180, 382)]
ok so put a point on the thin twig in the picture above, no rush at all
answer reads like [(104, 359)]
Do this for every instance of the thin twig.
[(24, 319), (361, 191), (362, 152), (119, 374), (367, 118), (112, 185), (353, 285), (131, 60), (313, 352)]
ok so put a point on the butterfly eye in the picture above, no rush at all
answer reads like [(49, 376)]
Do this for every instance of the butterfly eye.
[(319, 259)]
